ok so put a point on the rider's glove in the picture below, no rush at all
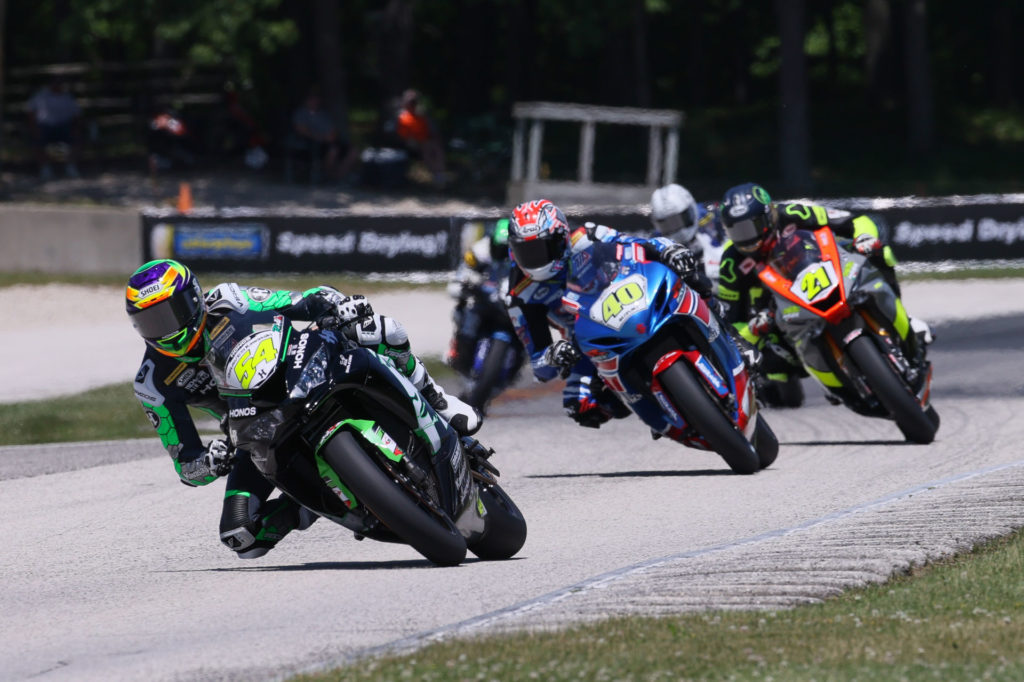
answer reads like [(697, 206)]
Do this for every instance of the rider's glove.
[(680, 259), (353, 308), (761, 324), (218, 457), (867, 245), (751, 356), (348, 310), (563, 355)]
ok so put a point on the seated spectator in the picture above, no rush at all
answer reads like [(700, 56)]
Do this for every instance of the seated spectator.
[(169, 142), (313, 130), (420, 136), (53, 121)]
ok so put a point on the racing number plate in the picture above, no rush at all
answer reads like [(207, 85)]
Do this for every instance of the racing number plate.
[(253, 360), (815, 282), (620, 302)]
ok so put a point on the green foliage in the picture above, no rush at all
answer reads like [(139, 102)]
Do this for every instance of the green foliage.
[(719, 57)]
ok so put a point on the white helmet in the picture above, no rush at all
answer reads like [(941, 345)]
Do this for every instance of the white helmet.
[(674, 213)]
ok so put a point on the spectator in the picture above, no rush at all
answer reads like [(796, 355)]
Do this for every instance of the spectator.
[(315, 132), (53, 120), (169, 141), (244, 133), (420, 136)]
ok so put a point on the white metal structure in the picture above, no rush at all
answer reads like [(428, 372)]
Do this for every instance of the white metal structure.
[(525, 184)]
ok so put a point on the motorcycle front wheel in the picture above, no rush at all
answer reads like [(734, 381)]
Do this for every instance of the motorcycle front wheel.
[(506, 527), (916, 423), (485, 385), (702, 413), (435, 538), (765, 442)]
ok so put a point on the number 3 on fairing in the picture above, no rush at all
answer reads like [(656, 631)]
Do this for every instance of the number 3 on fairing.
[(814, 282), (617, 305)]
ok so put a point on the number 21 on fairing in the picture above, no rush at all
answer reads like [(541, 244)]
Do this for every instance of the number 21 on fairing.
[(617, 305), (814, 282)]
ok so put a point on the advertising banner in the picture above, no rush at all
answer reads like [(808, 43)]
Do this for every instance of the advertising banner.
[(982, 228), (301, 243)]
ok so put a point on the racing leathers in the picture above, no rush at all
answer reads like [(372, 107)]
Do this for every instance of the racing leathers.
[(480, 275), (745, 303), (251, 524), (536, 306)]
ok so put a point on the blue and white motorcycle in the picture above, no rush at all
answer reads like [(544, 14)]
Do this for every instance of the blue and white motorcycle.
[(656, 343)]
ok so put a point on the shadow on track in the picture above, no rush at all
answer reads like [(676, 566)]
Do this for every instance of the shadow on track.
[(639, 474), (333, 566), (819, 443)]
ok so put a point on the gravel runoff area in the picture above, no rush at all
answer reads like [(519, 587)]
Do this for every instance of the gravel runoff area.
[(72, 338)]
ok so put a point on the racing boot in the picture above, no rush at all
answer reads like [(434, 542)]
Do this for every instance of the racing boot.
[(923, 331), (464, 418), (251, 530)]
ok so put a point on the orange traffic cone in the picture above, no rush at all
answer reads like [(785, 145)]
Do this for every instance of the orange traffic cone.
[(184, 198)]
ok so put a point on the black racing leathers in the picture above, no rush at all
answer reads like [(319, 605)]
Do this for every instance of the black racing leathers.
[(743, 296), (168, 388)]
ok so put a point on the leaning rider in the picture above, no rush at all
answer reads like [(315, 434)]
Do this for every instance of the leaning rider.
[(752, 223), (169, 311), (542, 244), (484, 270)]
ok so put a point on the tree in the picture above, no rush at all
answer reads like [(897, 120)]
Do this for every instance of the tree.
[(330, 65), (394, 47), (919, 86), (794, 137)]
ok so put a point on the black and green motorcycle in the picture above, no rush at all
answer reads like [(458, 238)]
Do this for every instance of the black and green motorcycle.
[(339, 429)]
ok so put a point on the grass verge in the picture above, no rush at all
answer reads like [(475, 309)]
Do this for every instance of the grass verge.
[(959, 619), (109, 413), (106, 413)]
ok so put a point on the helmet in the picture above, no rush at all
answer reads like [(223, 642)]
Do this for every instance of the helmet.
[(538, 233), (499, 240), (166, 307), (749, 216), (674, 213)]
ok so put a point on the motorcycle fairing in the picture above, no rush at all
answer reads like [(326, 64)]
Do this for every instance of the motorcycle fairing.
[(632, 303), (814, 287)]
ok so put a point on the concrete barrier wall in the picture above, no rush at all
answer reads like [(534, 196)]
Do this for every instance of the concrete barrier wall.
[(69, 240)]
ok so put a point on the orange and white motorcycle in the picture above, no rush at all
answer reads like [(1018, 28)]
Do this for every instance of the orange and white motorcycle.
[(850, 330)]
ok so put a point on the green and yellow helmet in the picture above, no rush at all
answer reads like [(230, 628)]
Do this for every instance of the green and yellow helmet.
[(165, 303)]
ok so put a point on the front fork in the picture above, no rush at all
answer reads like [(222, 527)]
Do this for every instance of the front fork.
[(917, 373)]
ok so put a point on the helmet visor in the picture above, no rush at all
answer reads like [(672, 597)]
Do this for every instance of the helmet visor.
[(170, 316), (537, 253), (674, 223), (747, 234)]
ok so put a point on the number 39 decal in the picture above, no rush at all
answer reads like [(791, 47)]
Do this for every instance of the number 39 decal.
[(617, 305), (815, 282)]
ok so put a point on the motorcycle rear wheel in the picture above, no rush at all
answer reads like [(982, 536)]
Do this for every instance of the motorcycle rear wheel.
[(914, 421), (702, 413), (506, 527), (483, 388), (440, 542)]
